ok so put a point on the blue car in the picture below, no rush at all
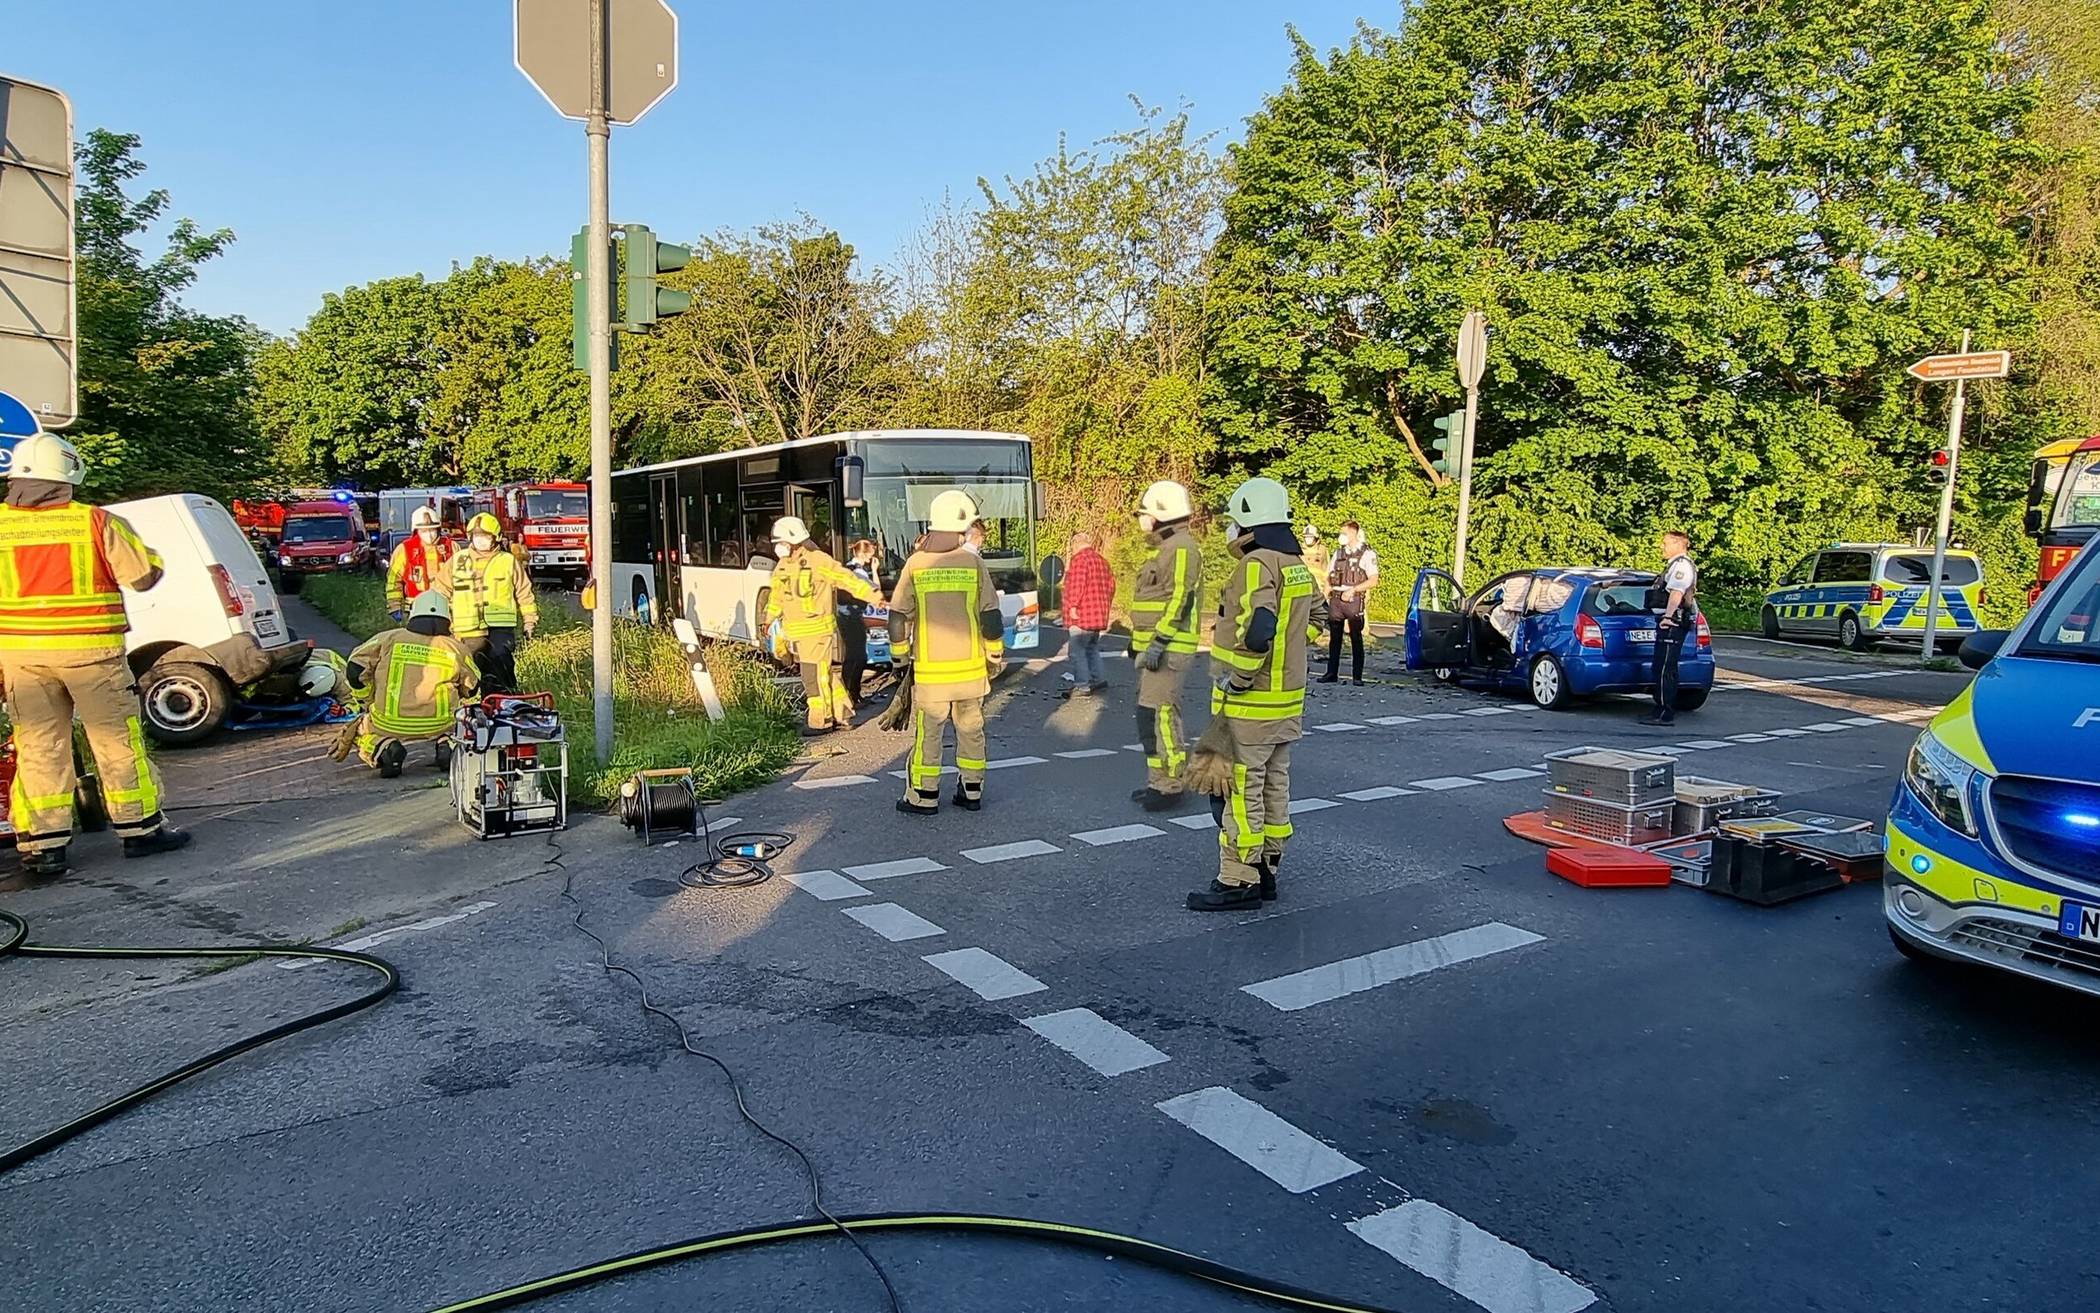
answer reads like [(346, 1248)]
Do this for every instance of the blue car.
[(1556, 633)]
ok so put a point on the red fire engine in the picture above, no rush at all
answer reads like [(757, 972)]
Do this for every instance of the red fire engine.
[(551, 521)]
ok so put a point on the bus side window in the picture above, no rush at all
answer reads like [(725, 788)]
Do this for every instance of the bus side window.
[(718, 495), (696, 548)]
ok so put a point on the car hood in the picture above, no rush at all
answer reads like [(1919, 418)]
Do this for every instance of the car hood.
[(2030, 716)]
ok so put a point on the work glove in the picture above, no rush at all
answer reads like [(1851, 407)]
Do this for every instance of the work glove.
[(397, 615), (994, 666), (1152, 658)]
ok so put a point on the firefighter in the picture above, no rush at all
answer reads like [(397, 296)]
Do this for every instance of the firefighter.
[(948, 639), (1164, 637), (1272, 609), (62, 629), (490, 593), (804, 591), (412, 681), (418, 563)]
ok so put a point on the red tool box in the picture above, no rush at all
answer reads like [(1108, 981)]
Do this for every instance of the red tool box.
[(1609, 868)]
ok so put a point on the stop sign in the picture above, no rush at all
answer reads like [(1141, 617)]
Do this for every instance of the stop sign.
[(641, 54)]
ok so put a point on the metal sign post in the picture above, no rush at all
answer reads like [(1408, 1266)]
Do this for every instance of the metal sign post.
[(1472, 362), (605, 62), (1960, 367)]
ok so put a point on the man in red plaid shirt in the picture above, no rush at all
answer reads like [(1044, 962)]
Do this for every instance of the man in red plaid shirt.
[(1090, 589)]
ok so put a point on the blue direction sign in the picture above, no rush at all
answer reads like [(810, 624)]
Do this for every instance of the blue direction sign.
[(16, 423)]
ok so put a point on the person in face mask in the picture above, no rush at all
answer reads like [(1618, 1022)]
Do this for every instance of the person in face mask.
[(492, 601), (417, 564)]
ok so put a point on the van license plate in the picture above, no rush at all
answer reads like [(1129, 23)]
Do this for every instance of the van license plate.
[(2079, 922), (266, 625), (1640, 635)]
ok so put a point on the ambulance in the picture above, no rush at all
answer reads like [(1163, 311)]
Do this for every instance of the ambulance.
[(1993, 850), (1863, 593)]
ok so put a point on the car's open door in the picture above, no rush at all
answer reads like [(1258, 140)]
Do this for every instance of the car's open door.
[(1436, 623)]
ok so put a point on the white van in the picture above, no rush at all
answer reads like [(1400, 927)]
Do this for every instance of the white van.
[(210, 626)]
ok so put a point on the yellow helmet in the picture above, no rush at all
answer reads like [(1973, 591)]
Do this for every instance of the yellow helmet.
[(953, 511), (485, 523)]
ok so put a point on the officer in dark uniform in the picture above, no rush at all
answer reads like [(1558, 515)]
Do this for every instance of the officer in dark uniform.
[(1675, 596)]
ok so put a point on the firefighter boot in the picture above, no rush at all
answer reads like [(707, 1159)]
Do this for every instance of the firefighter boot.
[(44, 864), (166, 839), (391, 757), (1268, 878), (1222, 897)]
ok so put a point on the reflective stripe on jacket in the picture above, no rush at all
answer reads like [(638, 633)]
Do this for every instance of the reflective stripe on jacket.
[(413, 569), (1163, 601), (490, 592), (1280, 583), (60, 571), (804, 593), (415, 682), (947, 601)]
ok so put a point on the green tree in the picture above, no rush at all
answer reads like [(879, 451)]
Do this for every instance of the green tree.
[(165, 392), (507, 399)]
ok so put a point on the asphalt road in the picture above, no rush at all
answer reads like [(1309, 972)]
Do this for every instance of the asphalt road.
[(1516, 1095)]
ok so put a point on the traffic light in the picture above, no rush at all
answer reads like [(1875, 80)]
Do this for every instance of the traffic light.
[(1448, 447), (647, 300), (580, 297), (1942, 462)]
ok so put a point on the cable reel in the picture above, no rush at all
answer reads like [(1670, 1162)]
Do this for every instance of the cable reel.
[(662, 804)]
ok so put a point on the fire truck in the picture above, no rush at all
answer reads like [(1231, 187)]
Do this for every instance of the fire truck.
[(2063, 503), (551, 522)]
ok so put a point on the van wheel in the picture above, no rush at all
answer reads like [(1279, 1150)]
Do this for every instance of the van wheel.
[(1851, 636), (184, 703), (1769, 623), (1444, 675)]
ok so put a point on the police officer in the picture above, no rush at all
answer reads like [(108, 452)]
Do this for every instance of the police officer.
[(412, 682), (62, 627), (418, 563), (1678, 592), (803, 596), (1164, 637), (1271, 611), (948, 638), (491, 596)]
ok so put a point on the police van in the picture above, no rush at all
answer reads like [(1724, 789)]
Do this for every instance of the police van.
[(1860, 593), (1994, 834)]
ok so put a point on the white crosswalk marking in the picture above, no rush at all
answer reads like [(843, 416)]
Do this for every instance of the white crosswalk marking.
[(890, 870), (1749, 738), (1118, 834), (1081, 754), (837, 781), (1489, 711), (1006, 852), (827, 885), (1510, 773), (894, 923), (1311, 805), (1826, 727), (1705, 744), (1442, 783), (1354, 975), (992, 977), (1259, 1138), (1095, 1040), (1438, 715), (1477, 1264), (1862, 720), (1392, 720), (1787, 733), (1337, 727), (1373, 795), (1200, 821), (1005, 762)]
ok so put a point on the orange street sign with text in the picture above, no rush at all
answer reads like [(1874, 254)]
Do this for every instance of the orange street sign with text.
[(1968, 364)]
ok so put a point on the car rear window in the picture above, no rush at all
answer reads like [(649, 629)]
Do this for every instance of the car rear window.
[(1955, 572), (1619, 599), (317, 529)]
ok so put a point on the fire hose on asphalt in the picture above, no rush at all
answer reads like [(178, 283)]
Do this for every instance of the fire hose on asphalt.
[(16, 943)]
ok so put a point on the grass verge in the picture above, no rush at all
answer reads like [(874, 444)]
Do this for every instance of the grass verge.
[(357, 604)]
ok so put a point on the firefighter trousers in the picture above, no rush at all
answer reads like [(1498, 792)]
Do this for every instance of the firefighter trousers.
[(1159, 723), (930, 717), (1255, 818), (821, 690), (43, 700)]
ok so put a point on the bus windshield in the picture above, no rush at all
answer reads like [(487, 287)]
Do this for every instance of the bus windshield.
[(897, 509), (557, 503)]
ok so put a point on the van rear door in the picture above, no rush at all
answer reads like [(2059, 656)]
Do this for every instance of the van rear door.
[(226, 546)]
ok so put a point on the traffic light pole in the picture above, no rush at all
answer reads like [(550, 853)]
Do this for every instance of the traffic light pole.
[(598, 132), (1939, 542), (1465, 487)]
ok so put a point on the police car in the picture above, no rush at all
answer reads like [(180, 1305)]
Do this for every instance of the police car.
[(1862, 592), (1994, 835)]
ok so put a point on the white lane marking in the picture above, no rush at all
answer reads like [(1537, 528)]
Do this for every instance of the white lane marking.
[(890, 870), (893, 923), (1095, 1040), (1509, 773), (1749, 738), (902, 775), (1338, 727), (1489, 711), (1440, 783), (1477, 1264), (829, 886), (1311, 805), (1133, 747), (265, 770), (1259, 1138), (1118, 834), (1373, 795), (1392, 720), (990, 976), (1200, 821), (1668, 751), (837, 781), (1826, 727), (1704, 744), (1438, 715), (1005, 762), (1006, 852), (1921, 713), (1787, 733), (1081, 754), (1354, 975), (381, 936), (1862, 720)]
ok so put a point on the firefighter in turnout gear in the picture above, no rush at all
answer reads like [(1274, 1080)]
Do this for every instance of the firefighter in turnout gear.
[(802, 597), (412, 682), (1272, 609), (418, 563), (947, 637), (62, 629), (491, 596), (1164, 635)]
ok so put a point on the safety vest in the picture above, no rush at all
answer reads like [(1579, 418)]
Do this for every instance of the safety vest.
[(488, 594), (57, 591), (417, 682), (948, 596), (1283, 585), (414, 569), (1163, 601), (804, 593)]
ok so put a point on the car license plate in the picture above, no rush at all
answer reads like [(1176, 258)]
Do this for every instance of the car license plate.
[(1640, 636), (2080, 922)]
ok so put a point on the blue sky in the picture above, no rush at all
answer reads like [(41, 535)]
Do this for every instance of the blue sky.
[(350, 141)]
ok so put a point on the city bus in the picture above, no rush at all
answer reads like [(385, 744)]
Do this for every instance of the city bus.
[(2063, 503), (693, 537)]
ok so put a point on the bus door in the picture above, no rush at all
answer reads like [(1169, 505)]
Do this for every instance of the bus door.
[(813, 506), (666, 542)]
